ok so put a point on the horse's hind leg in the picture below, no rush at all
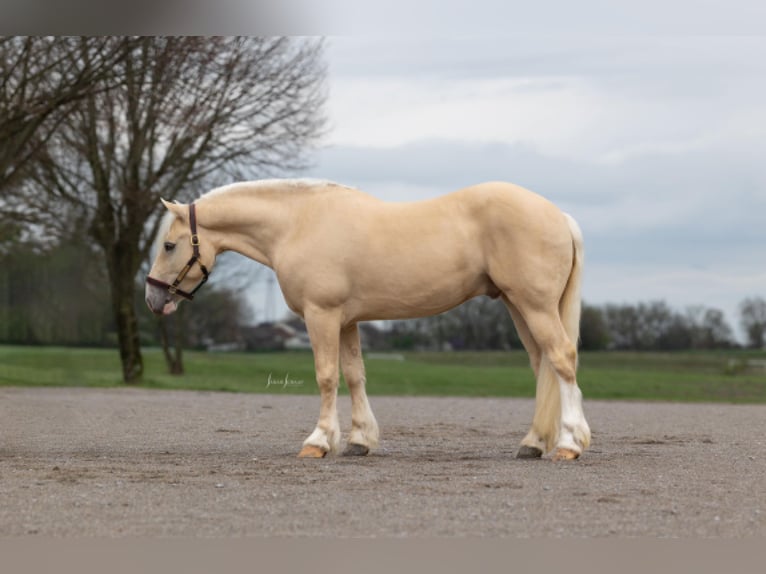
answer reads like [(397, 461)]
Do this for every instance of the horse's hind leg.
[(561, 421), (533, 444), (364, 427), (526, 337), (324, 330)]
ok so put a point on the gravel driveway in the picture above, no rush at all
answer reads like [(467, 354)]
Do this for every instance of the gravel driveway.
[(128, 462)]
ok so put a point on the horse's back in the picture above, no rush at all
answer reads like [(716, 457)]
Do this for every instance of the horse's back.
[(488, 219)]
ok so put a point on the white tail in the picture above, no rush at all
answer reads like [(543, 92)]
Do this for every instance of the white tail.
[(571, 302), (548, 398)]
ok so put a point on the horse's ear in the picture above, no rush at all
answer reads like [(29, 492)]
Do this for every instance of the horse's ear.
[(179, 209)]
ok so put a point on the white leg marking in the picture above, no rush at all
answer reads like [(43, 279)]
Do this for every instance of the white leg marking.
[(327, 440), (575, 432)]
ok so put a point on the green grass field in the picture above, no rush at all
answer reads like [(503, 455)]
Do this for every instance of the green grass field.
[(697, 376)]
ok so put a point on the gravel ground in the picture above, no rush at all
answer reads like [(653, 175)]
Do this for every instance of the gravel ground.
[(128, 462)]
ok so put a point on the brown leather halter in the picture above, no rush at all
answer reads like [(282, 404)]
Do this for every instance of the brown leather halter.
[(195, 258)]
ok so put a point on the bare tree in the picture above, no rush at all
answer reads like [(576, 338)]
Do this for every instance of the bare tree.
[(217, 317), (187, 113), (41, 78), (752, 313)]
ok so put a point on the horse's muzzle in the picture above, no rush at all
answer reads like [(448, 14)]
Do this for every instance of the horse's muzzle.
[(159, 301)]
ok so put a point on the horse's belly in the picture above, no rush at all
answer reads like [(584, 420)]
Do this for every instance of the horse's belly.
[(397, 297)]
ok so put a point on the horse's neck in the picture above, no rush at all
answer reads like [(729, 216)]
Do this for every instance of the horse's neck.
[(250, 222)]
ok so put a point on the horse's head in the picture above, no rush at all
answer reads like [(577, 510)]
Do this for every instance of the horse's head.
[(182, 261)]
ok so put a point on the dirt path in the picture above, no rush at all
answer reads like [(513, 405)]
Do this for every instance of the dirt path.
[(81, 462)]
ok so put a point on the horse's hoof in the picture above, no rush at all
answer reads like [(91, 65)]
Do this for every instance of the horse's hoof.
[(529, 452), (356, 450), (565, 454), (311, 451)]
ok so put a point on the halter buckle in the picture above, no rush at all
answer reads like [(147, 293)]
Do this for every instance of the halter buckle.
[(195, 240)]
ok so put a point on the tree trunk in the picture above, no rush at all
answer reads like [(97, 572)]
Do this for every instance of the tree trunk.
[(127, 333), (121, 279), (178, 362), (174, 360)]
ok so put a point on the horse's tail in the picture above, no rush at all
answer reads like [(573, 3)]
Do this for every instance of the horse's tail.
[(548, 392), (571, 303)]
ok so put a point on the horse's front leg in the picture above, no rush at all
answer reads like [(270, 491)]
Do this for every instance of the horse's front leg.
[(364, 428), (324, 330)]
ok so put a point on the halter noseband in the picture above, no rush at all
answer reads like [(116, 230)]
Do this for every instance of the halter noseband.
[(195, 258)]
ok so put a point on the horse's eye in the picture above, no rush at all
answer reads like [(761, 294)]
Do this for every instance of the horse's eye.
[(169, 246)]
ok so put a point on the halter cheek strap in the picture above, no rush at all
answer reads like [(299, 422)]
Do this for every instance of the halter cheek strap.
[(173, 288)]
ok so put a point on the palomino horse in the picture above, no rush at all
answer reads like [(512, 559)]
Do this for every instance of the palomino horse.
[(342, 256)]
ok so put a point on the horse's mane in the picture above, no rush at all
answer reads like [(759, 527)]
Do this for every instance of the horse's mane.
[(277, 185)]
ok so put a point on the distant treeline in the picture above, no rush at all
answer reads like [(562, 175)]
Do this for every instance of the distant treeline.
[(60, 297), (485, 324), (654, 326)]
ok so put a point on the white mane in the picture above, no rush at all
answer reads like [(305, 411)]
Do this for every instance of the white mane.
[(270, 183), (299, 183)]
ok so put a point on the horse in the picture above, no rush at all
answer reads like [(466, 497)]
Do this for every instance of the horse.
[(342, 256)]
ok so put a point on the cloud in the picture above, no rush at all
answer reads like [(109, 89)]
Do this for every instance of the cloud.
[(600, 98)]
